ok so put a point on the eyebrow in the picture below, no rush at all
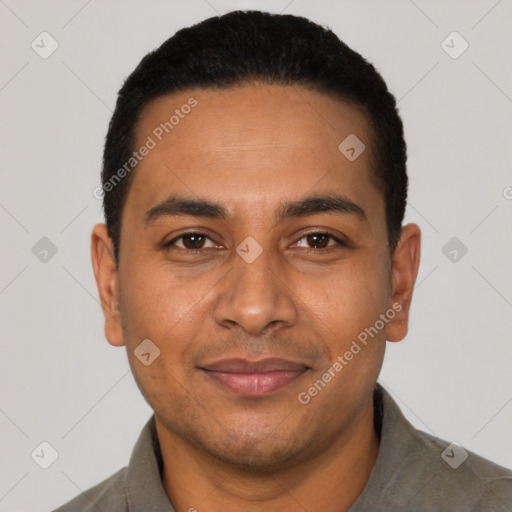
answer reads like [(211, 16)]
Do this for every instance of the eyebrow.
[(175, 206)]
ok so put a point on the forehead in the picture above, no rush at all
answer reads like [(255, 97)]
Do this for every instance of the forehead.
[(255, 143)]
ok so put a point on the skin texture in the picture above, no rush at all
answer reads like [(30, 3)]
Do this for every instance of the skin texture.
[(251, 148)]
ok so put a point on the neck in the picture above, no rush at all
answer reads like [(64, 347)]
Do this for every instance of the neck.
[(330, 481)]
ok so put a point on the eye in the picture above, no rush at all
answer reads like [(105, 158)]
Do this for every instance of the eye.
[(320, 240), (195, 241), (189, 241)]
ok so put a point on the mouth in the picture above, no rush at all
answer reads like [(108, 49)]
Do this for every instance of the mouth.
[(254, 378)]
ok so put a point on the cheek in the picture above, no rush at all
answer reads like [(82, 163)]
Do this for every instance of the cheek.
[(158, 306), (350, 298), (163, 387)]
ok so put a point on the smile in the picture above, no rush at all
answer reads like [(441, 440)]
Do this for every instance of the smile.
[(254, 378)]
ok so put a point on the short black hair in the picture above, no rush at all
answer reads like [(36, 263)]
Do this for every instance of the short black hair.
[(244, 47)]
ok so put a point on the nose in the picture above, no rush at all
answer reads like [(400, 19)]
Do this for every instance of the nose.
[(255, 296)]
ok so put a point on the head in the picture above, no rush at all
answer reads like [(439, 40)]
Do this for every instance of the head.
[(254, 191)]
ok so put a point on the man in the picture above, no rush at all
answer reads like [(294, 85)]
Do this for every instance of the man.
[(254, 264)]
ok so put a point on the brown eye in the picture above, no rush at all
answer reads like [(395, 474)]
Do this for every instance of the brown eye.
[(189, 241), (193, 241), (320, 240)]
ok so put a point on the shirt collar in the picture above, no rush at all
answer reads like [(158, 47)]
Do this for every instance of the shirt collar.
[(401, 458), (144, 488)]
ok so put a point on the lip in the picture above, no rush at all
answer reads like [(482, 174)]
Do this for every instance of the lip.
[(254, 378)]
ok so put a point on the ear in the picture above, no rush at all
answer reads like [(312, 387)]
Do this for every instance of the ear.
[(405, 264), (106, 275)]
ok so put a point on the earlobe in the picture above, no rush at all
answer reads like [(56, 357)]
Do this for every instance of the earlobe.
[(405, 264), (106, 276)]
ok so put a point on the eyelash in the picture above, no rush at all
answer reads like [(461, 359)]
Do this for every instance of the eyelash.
[(339, 242)]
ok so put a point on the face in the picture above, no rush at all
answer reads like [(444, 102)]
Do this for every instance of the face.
[(253, 255)]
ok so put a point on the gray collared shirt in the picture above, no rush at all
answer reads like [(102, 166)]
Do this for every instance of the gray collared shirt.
[(414, 471)]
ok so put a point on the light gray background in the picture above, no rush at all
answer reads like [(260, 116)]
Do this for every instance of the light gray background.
[(61, 382)]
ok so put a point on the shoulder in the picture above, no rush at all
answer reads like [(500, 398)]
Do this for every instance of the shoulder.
[(421, 472), (463, 475), (110, 494)]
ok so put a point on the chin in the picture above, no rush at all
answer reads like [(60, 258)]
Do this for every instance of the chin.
[(253, 452), (254, 460)]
